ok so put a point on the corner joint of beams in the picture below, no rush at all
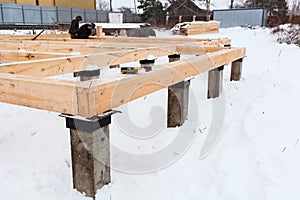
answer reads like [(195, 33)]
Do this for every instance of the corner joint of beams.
[(85, 93)]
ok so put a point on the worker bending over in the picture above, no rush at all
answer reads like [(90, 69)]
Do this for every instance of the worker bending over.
[(82, 32)]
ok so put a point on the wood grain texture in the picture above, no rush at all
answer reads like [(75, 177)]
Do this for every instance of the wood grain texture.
[(43, 94), (62, 65), (13, 56), (23, 81), (112, 94)]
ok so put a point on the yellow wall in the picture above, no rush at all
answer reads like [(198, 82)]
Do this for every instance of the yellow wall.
[(46, 2), (88, 4), (30, 2), (8, 1)]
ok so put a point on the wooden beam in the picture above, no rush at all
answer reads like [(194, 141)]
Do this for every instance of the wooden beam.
[(97, 96), (108, 95), (13, 56), (127, 40), (60, 48), (52, 67), (87, 48), (196, 49), (43, 94), (29, 37), (122, 41)]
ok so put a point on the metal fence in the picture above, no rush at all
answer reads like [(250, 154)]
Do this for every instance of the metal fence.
[(18, 14), (239, 17)]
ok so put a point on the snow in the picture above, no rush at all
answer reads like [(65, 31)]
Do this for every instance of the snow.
[(257, 156), (121, 26)]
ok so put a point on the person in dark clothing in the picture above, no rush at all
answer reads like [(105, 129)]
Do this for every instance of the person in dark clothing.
[(86, 30), (83, 32), (74, 27)]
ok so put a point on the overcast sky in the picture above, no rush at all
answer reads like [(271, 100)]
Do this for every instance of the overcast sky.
[(216, 4), (221, 4)]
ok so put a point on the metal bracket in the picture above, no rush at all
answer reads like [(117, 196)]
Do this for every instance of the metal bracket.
[(221, 68), (88, 73), (182, 84), (88, 124), (174, 56), (145, 62)]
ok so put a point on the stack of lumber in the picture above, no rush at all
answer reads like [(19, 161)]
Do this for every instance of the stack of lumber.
[(198, 27)]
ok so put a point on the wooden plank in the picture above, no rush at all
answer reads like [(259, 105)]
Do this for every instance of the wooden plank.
[(59, 48), (43, 94), (197, 49), (111, 94), (120, 40), (10, 56), (87, 48), (99, 96), (29, 37), (191, 28), (52, 67)]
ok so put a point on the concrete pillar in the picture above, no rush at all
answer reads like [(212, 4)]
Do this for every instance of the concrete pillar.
[(89, 147), (215, 82), (147, 64), (174, 57), (87, 74), (236, 70), (90, 153), (178, 97)]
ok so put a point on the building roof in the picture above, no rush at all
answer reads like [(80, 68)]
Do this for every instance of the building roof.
[(193, 6)]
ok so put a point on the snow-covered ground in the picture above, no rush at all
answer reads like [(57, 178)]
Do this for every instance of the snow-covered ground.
[(257, 156)]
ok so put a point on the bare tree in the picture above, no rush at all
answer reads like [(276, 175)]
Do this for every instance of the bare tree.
[(295, 8), (125, 9), (294, 12), (102, 5)]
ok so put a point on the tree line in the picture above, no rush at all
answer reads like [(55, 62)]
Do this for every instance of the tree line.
[(154, 12)]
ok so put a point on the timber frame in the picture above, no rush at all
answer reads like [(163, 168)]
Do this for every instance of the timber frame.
[(27, 65)]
